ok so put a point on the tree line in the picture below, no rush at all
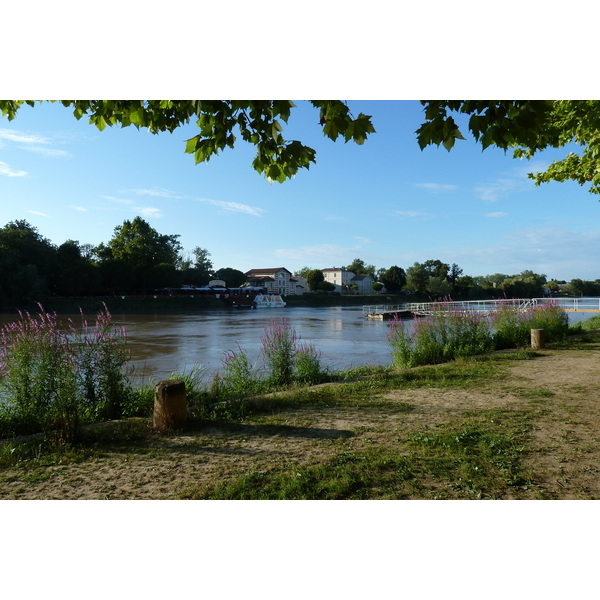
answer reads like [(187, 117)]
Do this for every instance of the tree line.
[(140, 260), (136, 260), (436, 279)]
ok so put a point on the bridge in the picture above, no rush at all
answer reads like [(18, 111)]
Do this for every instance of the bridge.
[(421, 309)]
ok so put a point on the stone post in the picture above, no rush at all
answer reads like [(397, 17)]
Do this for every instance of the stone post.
[(170, 405), (538, 339)]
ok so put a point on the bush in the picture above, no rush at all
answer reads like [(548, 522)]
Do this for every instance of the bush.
[(449, 334), (513, 327), (443, 336), (308, 364)]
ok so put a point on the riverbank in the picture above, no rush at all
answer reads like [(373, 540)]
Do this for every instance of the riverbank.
[(510, 425), (191, 304)]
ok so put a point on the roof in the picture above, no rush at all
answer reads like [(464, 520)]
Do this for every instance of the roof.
[(334, 269), (360, 277), (256, 272)]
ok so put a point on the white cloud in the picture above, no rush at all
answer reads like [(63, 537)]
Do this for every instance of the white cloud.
[(495, 190), (496, 215), (410, 213), (149, 211), (318, 254), (437, 188), (79, 208), (118, 200), (52, 152), (39, 214), (515, 180), (335, 218), (22, 138), (557, 253), (32, 143), (10, 172), (363, 240), (155, 192), (235, 207)]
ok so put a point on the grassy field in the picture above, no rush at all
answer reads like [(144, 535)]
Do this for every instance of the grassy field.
[(510, 425)]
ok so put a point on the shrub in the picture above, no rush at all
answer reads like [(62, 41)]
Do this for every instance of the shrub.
[(443, 336), (513, 327), (308, 364)]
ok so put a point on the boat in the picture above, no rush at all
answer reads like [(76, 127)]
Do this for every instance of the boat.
[(268, 301)]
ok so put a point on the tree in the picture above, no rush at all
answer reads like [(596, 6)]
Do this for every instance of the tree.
[(358, 267), (314, 278), (77, 275), (130, 260), (394, 279), (436, 268), (28, 264), (141, 246), (417, 278), (326, 286), (303, 272), (256, 121), (526, 127), (232, 277)]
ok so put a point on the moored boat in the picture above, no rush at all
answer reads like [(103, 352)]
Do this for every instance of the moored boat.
[(268, 301)]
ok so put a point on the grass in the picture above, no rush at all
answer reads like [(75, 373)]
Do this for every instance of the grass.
[(366, 438)]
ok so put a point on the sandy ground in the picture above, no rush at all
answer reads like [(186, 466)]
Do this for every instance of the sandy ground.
[(565, 442)]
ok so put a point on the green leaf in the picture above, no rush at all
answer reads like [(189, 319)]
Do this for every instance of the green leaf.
[(190, 145)]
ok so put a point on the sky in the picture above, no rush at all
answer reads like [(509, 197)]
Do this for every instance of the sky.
[(385, 202)]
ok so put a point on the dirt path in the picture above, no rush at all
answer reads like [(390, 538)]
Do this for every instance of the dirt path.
[(565, 441)]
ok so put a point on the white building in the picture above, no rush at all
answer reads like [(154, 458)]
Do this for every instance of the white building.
[(364, 283), (277, 281), (341, 278), (344, 281)]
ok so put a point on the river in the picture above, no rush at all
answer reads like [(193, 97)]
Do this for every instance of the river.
[(161, 344)]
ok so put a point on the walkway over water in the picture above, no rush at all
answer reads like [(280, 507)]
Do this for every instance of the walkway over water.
[(412, 309)]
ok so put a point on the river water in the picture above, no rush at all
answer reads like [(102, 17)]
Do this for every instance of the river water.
[(162, 344)]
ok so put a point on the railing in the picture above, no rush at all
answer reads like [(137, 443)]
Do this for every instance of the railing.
[(425, 308)]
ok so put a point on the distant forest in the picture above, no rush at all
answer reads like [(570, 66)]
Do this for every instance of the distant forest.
[(138, 260)]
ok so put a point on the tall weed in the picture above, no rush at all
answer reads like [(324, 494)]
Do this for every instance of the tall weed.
[(54, 376), (445, 335), (513, 327), (287, 359)]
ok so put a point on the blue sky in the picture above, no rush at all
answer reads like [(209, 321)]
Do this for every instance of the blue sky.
[(386, 202)]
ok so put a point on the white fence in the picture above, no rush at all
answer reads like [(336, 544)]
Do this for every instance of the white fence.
[(424, 308)]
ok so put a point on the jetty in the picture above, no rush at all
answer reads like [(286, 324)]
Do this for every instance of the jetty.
[(410, 310)]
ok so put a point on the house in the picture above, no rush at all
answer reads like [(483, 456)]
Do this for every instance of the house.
[(276, 280), (341, 278), (364, 283), (300, 283), (344, 280)]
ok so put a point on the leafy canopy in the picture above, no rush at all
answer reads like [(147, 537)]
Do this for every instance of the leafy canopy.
[(524, 126), (258, 122)]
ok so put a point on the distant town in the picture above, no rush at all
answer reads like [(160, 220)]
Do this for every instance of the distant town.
[(138, 260)]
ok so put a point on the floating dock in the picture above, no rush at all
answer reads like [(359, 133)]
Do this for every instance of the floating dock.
[(421, 309)]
